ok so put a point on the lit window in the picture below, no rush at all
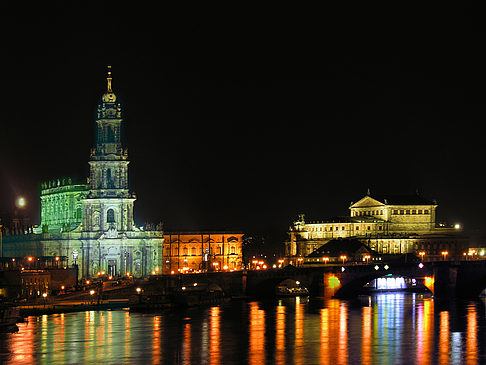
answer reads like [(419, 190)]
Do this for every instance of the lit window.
[(426, 211)]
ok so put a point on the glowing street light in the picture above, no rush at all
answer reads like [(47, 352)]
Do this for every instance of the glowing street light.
[(325, 259), (343, 257), (444, 254), (20, 202), (367, 258), (422, 254)]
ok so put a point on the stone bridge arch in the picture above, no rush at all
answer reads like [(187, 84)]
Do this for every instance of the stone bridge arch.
[(350, 285)]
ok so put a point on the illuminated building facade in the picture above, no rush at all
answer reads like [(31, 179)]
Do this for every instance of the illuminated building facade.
[(61, 205), (387, 224), (205, 251), (92, 225)]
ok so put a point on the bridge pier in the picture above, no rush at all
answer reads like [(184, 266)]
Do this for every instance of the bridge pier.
[(445, 280)]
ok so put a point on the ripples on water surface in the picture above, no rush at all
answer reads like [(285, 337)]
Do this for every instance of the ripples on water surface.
[(382, 329)]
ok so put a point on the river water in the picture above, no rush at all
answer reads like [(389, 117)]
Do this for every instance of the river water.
[(398, 328)]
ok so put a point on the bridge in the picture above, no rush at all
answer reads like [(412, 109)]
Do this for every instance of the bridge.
[(445, 279)]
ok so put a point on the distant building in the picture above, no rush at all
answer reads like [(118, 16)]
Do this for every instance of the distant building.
[(342, 250), (386, 224), (205, 251), (93, 225)]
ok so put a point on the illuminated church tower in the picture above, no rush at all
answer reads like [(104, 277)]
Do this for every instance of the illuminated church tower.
[(92, 226), (109, 205)]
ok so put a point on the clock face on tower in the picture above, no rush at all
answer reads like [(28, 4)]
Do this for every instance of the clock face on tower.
[(109, 97)]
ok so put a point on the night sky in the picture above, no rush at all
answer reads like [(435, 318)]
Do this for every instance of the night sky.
[(241, 119)]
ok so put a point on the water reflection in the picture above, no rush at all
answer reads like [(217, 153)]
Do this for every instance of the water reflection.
[(381, 329), (257, 335)]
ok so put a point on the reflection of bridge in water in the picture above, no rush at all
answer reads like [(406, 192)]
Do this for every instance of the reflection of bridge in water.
[(464, 279)]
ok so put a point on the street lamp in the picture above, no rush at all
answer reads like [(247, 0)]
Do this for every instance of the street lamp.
[(343, 257), (367, 258), (325, 259), (422, 254), (444, 254)]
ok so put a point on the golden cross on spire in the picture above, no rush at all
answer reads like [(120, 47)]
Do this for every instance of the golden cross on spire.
[(109, 79)]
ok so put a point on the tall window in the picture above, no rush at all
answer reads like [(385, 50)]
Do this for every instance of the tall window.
[(110, 216)]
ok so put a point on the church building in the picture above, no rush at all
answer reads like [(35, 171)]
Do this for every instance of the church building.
[(92, 224)]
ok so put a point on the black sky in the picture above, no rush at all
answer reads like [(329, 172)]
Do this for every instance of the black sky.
[(243, 118)]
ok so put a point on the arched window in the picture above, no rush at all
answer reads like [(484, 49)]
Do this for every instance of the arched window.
[(110, 216)]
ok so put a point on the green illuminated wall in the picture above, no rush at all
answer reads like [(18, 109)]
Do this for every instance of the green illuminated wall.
[(61, 205)]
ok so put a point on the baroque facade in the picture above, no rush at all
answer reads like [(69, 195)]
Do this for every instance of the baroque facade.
[(205, 251), (387, 224), (92, 225)]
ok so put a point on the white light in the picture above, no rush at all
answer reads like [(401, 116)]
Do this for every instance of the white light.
[(457, 226), (342, 269), (376, 267), (20, 202), (297, 282), (421, 265), (386, 267)]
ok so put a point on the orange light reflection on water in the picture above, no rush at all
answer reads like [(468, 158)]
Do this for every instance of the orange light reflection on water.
[(324, 350), (299, 332), (156, 353), (257, 335), (471, 339), (366, 357), (444, 345), (214, 336), (425, 332), (186, 344), (280, 335)]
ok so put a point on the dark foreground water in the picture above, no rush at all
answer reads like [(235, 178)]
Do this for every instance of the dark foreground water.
[(381, 329)]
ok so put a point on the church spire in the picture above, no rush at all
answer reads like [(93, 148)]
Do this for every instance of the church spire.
[(108, 79)]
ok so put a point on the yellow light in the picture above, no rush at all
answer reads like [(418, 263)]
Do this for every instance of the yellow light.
[(172, 272), (99, 273), (156, 269), (153, 272), (128, 274), (44, 295), (110, 277), (333, 282), (102, 273), (87, 282), (91, 292), (20, 202), (62, 287), (57, 258), (225, 267), (429, 282), (138, 290), (29, 258)]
